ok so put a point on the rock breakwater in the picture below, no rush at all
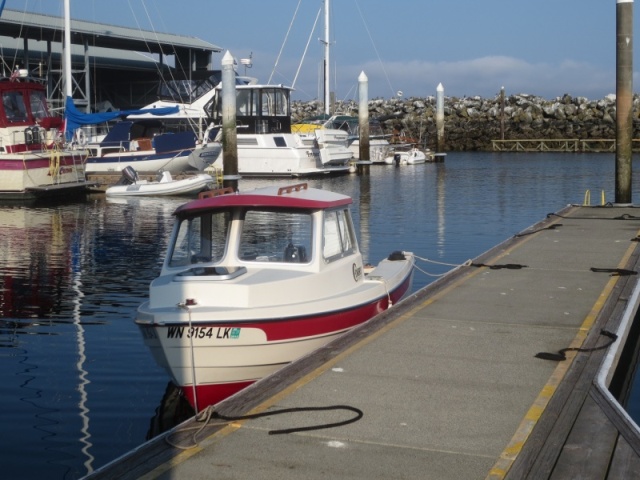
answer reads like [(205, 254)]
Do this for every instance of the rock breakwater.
[(471, 123)]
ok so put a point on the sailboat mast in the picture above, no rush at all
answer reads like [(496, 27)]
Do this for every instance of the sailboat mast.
[(67, 49), (327, 81)]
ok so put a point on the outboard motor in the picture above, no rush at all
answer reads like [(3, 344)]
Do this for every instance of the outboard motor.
[(396, 159), (129, 176)]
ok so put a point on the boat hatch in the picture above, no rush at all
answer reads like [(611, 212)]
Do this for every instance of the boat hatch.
[(212, 273)]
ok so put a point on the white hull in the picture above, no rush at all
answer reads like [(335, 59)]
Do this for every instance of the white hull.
[(412, 157), (260, 155), (149, 161), (186, 186), (40, 173)]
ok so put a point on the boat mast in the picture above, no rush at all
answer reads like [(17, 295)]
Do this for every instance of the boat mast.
[(327, 94), (67, 50)]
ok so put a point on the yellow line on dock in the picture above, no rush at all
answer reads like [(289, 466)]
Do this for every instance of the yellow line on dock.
[(509, 454)]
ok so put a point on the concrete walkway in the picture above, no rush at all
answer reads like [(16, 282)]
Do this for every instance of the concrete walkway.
[(447, 380)]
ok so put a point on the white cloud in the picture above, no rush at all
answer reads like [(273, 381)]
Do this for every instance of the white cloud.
[(480, 76)]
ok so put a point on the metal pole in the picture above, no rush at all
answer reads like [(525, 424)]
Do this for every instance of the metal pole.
[(229, 132), (439, 118), (68, 76), (624, 99), (327, 79)]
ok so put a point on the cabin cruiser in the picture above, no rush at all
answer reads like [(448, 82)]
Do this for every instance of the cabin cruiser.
[(266, 145), (254, 280)]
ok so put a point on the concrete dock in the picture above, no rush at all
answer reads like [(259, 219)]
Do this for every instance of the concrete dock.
[(448, 381)]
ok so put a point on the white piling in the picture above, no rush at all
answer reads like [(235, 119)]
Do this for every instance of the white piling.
[(363, 117), (439, 118)]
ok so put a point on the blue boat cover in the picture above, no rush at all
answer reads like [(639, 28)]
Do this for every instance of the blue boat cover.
[(75, 119)]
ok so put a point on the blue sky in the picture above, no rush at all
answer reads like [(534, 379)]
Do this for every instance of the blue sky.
[(473, 47)]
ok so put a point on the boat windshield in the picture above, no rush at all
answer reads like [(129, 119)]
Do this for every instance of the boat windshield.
[(200, 239), (14, 105), (269, 236)]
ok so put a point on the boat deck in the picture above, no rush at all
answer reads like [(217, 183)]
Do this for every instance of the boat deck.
[(448, 380)]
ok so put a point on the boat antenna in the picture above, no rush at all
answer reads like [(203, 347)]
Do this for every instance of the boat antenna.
[(295, 13)]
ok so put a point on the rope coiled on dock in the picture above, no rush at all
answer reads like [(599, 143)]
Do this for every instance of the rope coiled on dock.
[(208, 414)]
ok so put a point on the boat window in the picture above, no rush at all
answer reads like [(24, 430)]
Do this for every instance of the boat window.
[(276, 237), (14, 106), (275, 102), (38, 102), (243, 103), (200, 239), (338, 236)]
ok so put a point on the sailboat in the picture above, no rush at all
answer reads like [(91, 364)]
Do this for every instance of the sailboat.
[(35, 161), (332, 128)]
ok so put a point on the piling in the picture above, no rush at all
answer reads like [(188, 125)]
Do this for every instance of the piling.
[(363, 123), (502, 113), (439, 118), (229, 132), (624, 99)]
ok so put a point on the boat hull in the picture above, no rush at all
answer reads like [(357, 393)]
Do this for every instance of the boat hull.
[(150, 161), (45, 174), (187, 186), (229, 356), (287, 155)]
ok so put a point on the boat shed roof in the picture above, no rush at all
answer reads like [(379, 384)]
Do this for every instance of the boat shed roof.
[(49, 28)]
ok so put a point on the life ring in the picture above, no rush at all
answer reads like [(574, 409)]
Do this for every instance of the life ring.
[(81, 138)]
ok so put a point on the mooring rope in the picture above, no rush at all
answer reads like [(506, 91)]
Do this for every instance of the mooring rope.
[(560, 356), (209, 413)]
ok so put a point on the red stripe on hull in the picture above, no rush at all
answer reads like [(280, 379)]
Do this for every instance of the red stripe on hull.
[(212, 394), (322, 324), (296, 328), (32, 163)]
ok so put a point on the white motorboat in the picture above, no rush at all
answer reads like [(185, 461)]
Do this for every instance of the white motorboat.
[(349, 125), (412, 156), (34, 162), (266, 145), (131, 185), (255, 280)]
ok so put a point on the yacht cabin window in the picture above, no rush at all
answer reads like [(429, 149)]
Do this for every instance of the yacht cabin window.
[(338, 235)]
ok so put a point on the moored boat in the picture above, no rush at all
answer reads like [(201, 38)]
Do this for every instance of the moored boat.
[(411, 156), (131, 186), (34, 162), (255, 280)]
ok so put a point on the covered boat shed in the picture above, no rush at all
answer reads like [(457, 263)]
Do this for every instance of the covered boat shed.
[(34, 43)]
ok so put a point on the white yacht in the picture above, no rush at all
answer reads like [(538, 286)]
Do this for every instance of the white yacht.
[(266, 145)]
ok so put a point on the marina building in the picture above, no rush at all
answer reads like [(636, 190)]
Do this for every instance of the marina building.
[(32, 45)]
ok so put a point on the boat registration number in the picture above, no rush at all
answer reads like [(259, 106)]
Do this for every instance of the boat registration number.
[(204, 332)]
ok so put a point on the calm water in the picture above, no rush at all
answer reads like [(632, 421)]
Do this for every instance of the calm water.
[(77, 386)]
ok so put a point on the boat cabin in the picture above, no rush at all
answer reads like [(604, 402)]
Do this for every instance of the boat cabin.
[(222, 236), (24, 112), (259, 108)]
